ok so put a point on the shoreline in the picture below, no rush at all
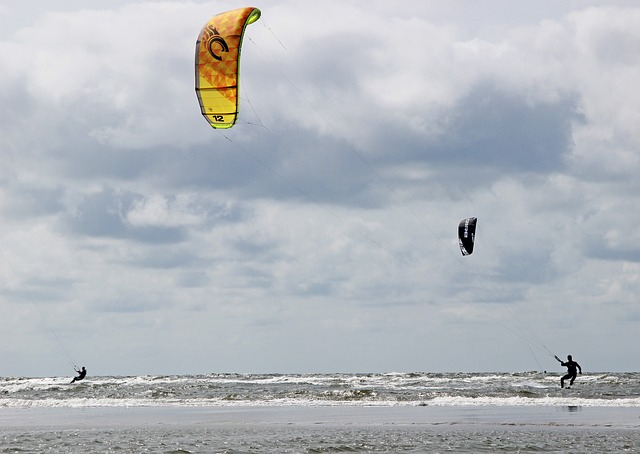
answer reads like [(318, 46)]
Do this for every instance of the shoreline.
[(461, 417)]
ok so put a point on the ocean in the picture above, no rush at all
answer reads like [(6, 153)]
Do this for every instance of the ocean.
[(322, 413)]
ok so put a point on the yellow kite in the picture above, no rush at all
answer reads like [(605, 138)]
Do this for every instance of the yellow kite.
[(218, 65)]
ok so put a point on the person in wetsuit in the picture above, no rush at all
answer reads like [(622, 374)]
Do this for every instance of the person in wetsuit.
[(572, 370), (81, 374)]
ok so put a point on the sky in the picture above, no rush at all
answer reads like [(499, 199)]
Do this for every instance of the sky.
[(319, 234)]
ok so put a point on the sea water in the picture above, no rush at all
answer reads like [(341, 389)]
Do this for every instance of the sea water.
[(315, 413)]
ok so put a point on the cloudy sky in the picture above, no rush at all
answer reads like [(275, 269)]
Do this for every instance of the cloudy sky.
[(320, 233)]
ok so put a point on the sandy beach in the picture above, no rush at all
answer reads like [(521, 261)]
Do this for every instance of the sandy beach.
[(477, 417), (320, 429)]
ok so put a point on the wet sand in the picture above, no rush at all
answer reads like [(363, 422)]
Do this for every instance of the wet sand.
[(477, 417)]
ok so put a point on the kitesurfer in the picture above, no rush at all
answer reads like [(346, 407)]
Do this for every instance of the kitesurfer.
[(81, 374), (572, 370)]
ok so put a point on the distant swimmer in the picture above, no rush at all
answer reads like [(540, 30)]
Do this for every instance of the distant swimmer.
[(81, 374), (572, 370)]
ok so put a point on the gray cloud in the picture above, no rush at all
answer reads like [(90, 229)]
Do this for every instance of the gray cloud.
[(104, 214), (501, 130)]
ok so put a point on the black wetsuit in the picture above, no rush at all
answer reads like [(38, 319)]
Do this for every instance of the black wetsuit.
[(572, 372), (81, 374)]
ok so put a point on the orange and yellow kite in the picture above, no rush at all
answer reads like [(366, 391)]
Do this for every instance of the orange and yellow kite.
[(218, 65)]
